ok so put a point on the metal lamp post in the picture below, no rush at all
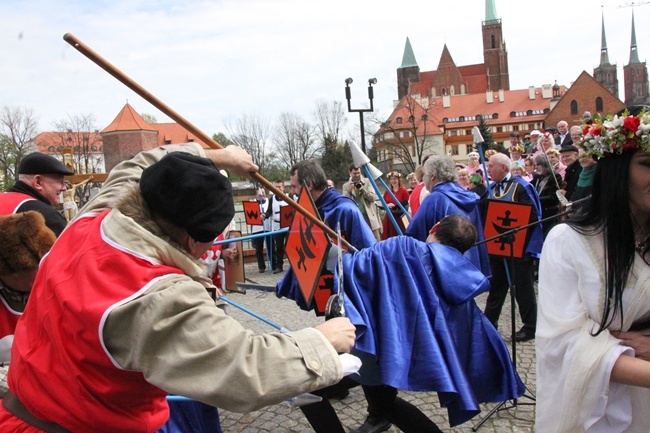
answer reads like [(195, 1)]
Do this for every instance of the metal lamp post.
[(371, 81)]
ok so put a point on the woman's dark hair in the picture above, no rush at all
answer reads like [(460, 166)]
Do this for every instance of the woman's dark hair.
[(608, 212)]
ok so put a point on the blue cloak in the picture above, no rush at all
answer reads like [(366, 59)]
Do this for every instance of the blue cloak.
[(414, 309), (450, 198), (333, 208)]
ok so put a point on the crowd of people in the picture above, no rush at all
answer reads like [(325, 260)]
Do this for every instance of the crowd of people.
[(152, 329)]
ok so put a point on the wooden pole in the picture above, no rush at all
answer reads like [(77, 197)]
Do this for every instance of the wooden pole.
[(131, 84)]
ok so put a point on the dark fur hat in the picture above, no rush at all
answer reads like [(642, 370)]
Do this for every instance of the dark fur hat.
[(190, 192), (24, 240)]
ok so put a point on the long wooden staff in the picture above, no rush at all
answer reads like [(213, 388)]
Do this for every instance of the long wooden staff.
[(131, 84)]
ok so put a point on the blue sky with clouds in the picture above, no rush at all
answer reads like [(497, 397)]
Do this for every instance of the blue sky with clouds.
[(215, 60)]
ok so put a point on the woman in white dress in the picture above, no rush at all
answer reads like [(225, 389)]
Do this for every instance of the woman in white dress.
[(594, 282)]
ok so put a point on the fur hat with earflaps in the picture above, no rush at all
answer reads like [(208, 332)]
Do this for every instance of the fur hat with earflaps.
[(24, 240)]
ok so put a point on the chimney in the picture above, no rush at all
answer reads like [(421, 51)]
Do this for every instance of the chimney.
[(502, 95), (489, 96), (446, 101), (547, 91), (531, 92)]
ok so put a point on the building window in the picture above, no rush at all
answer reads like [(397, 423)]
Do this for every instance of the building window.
[(574, 107), (468, 132), (425, 117), (406, 134), (493, 41), (50, 149), (398, 120), (599, 104), (495, 115), (515, 127), (499, 128), (94, 148), (168, 142), (529, 113), (412, 119), (454, 133), (454, 149), (461, 119)]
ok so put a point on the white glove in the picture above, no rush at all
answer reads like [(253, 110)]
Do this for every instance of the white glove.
[(351, 364)]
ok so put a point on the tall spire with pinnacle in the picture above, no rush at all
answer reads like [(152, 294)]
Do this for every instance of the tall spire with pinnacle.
[(490, 11), (604, 58), (408, 59), (408, 73), (634, 54)]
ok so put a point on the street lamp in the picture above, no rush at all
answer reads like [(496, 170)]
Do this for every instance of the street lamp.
[(371, 95)]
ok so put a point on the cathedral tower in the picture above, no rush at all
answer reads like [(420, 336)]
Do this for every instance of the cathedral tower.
[(606, 73), (636, 76), (495, 54)]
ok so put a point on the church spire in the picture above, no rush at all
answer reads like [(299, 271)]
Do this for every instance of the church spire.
[(490, 11), (634, 54), (604, 58), (408, 59)]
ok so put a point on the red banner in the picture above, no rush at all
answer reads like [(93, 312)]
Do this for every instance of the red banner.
[(501, 217), (286, 216), (252, 213), (306, 248)]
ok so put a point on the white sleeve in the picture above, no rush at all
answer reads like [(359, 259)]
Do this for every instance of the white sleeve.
[(573, 366)]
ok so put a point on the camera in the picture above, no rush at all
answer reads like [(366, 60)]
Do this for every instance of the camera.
[(358, 185)]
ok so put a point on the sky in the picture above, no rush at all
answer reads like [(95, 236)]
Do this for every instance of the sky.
[(214, 61)]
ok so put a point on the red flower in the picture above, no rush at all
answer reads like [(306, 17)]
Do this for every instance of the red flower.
[(631, 123), (629, 144), (595, 132)]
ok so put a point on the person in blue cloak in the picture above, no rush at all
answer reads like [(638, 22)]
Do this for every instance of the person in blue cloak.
[(420, 329), (447, 197), (337, 209)]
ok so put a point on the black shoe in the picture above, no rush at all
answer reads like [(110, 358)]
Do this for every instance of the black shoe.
[(277, 271), (524, 335), (262, 270), (373, 424)]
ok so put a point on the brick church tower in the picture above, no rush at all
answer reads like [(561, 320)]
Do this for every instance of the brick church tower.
[(606, 73), (127, 136), (495, 55), (408, 72), (636, 76)]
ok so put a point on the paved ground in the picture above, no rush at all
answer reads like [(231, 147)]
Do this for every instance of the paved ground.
[(352, 410)]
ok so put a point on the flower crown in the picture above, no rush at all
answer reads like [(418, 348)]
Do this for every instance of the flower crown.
[(394, 174), (518, 148), (612, 135), (490, 152)]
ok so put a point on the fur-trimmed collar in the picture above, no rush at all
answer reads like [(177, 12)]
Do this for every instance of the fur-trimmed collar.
[(130, 225)]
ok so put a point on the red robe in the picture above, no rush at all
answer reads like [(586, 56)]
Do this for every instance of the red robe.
[(388, 229)]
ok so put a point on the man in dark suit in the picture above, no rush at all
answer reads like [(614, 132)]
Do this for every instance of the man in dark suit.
[(563, 138), (569, 157), (514, 189)]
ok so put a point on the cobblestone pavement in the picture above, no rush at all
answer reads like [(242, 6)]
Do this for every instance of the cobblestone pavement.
[(352, 410)]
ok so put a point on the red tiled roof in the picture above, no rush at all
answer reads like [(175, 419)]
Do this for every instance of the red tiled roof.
[(402, 110), (473, 104), (128, 120), (57, 140)]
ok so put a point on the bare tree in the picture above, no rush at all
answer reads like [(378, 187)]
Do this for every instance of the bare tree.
[(250, 132), (295, 140), (81, 134), (330, 119), (18, 127), (405, 136)]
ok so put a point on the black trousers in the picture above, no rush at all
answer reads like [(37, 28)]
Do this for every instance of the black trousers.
[(522, 276), (383, 402), (258, 244), (278, 250)]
